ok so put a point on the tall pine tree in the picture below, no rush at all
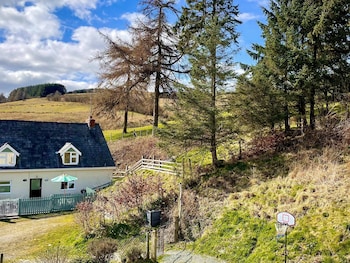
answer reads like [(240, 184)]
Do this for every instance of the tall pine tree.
[(207, 33), (306, 48)]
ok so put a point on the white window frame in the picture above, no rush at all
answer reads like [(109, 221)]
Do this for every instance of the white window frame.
[(68, 185), (72, 151), (8, 156), (4, 184)]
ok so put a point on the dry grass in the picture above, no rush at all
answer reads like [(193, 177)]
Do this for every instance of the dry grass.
[(313, 182), (44, 110), (41, 109), (129, 151)]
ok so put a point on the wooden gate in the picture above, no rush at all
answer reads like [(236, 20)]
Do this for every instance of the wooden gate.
[(9, 207)]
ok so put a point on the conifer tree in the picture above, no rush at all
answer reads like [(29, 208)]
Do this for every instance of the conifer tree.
[(162, 42), (207, 36), (123, 76), (306, 48), (256, 104)]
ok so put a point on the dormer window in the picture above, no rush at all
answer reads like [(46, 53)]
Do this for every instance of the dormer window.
[(69, 154), (8, 156)]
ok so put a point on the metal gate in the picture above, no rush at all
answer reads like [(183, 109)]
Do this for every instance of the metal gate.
[(9, 207)]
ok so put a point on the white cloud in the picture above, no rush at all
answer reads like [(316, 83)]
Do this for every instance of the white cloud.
[(244, 17), (134, 18), (33, 23), (263, 3), (33, 50)]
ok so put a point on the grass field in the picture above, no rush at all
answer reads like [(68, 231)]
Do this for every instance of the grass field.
[(41, 109), (44, 110), (30, 238)]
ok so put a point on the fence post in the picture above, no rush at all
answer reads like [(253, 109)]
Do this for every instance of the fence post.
[(154, 248), (180, 201), (147, 245), (190, 166), (176, 229), (183, 167), (1, 258)]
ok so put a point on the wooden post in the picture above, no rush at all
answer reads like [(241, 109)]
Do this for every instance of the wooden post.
[(176, 229), (147, 245), (190, 166), (1, 258), (240, 149), (183, 167), (180, 201), (154, 245)]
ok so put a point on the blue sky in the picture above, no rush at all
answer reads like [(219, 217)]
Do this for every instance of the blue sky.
[(45, 41)]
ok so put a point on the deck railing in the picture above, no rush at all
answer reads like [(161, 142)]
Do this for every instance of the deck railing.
[(40, 205)]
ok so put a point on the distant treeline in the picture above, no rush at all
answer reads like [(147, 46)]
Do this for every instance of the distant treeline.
[(37, 91), (81, 91)]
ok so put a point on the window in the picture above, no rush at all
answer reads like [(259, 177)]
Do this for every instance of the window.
[(7, 159), (8, 156), (70, 158), (69, 154), (68, 185), (5, 187)]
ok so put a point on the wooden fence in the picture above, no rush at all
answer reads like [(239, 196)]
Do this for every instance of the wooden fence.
[(153, 165), (34, 206)]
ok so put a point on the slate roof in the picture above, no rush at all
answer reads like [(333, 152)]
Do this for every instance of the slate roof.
[(38, 143)]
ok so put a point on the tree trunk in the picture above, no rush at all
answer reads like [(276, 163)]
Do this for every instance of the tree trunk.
[(313, 90), (156, 104), (158, 75), (312, 108), (286, 118), (286, 111), (213, 123), (125, 124)]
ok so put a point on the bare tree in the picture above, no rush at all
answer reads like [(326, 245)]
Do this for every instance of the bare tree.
[(164, 53), (149, 60), (123, 76)]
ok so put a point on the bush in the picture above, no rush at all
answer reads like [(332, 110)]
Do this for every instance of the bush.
[(102, 250), (121, 230), (134, 255), (54, 254), (87, 218)]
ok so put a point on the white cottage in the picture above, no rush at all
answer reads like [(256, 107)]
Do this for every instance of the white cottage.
[(32, 153)]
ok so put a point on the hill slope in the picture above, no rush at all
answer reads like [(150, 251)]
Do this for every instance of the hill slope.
[(41, 109), (315, 192)]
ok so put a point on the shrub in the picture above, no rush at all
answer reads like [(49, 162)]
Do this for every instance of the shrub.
[(134, 255), (54, 254), (102, 250), (87, 218), (120, 230)]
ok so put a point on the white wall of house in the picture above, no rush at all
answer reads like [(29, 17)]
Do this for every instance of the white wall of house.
[(20, 180)]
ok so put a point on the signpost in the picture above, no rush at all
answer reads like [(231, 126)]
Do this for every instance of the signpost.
[(284, 220)]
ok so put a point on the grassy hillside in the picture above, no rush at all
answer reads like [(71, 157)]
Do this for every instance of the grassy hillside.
[(244, 196), (315, 191), (41, 109)]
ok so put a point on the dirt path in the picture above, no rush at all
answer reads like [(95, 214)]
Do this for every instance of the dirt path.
[(187, 257), (17, 235)]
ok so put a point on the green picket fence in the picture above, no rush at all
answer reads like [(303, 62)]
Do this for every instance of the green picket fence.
[(46, 205)]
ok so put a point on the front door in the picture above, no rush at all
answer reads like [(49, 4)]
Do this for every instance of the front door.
[(35, 188)]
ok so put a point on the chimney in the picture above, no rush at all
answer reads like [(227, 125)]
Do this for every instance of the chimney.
[(90, 122)]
